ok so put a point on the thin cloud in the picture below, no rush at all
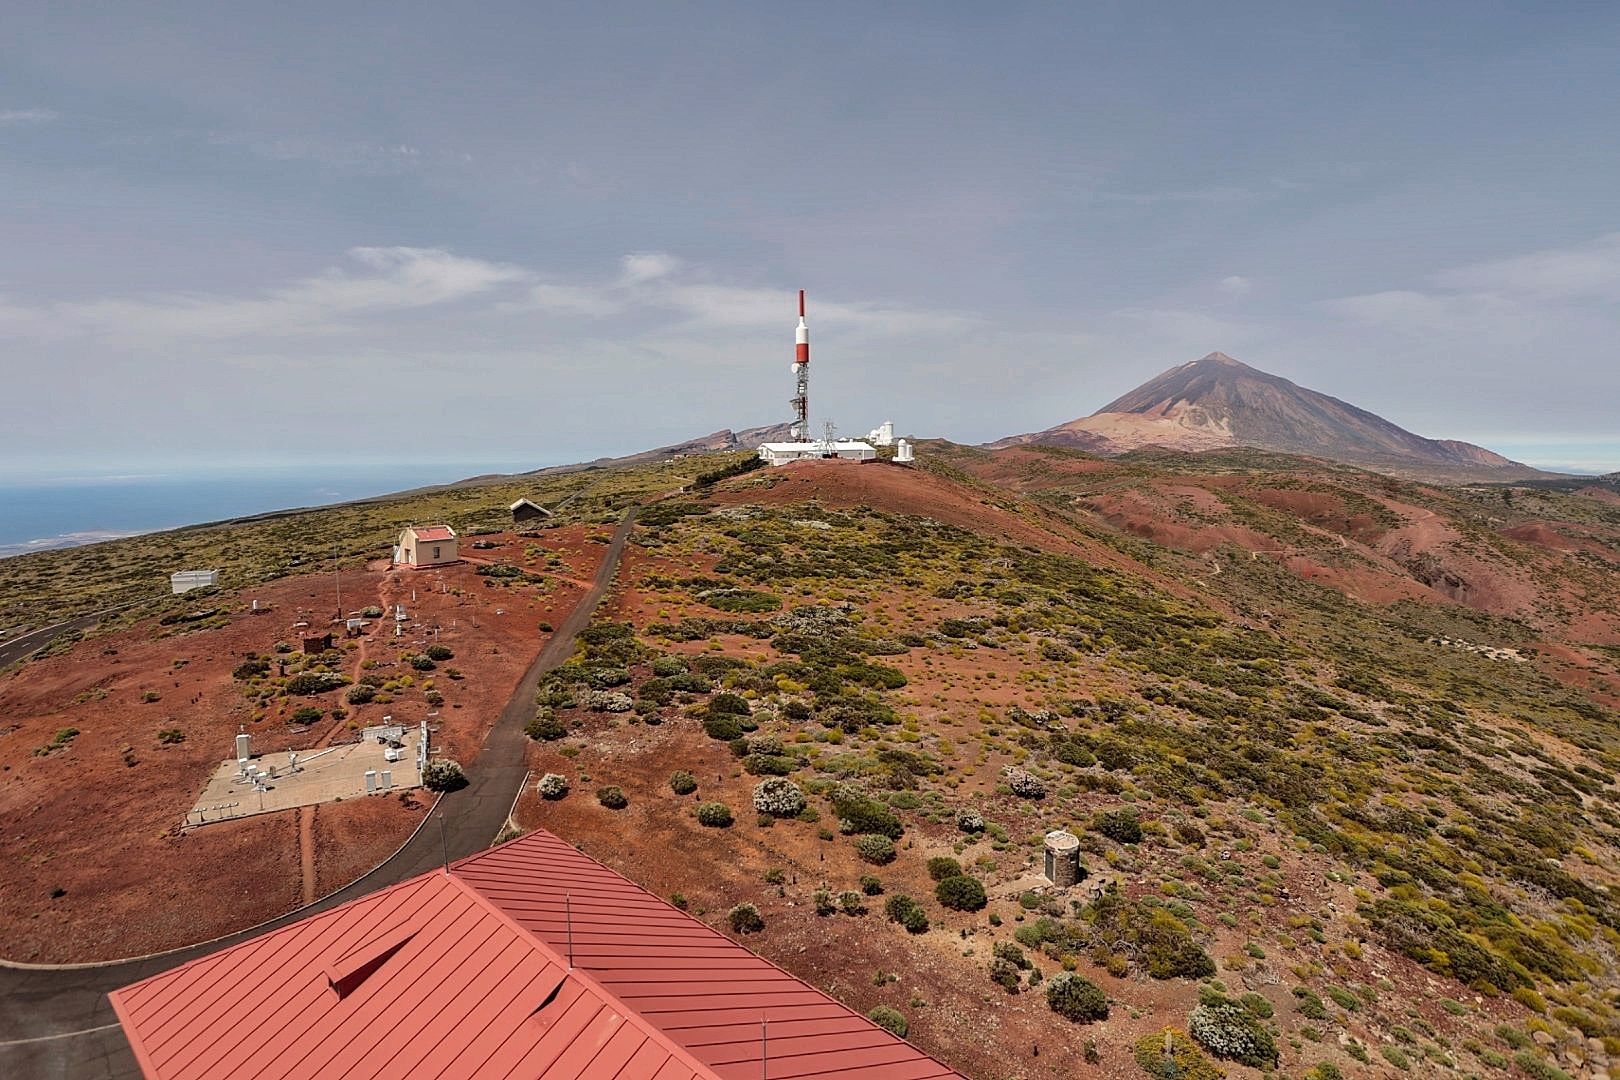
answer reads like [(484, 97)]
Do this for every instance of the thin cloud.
[(21, 117)]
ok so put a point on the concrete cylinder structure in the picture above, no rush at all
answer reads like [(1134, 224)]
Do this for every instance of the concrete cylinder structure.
[(1062, 858)]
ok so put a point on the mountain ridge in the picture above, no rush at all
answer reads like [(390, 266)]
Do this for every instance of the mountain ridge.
[(1217, 401)]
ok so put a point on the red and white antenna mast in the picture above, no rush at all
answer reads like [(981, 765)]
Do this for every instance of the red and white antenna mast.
[(801, 376)]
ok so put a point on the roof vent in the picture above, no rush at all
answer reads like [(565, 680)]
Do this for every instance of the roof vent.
[(555, 990), (348, 979)]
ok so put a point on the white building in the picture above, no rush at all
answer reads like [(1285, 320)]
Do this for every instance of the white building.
[(882, 435), (427, 545), (780, 453), (185, 580)]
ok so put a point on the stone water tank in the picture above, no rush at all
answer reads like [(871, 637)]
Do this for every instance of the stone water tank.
[(1062, 858)]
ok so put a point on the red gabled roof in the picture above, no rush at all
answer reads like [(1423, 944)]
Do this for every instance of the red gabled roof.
[(433, 532), (467, 973)]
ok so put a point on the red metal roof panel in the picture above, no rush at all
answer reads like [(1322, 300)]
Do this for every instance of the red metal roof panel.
[(530, 960)]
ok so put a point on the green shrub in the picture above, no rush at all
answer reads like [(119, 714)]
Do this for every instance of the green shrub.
[(315, 682), (683, 783), (858, 814), (871, 886), (723, 727), (440, 653), (729, 704), (961, 893), (360, 695), (552, 786), (422, 663), (778, 797), (875, 849), (890, 1020), (1310, 1006), (1075, 998), (942, 867), (1227, 1031), (612, 797), (1171, 1055), (745, 919), (443, 774), (251, 668), (1120, 826), (714, 815), (907, 912), (1257, 1006), (668, 666), (546, 726), (171, 736)]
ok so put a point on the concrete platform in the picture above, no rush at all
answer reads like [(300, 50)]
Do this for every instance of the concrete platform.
[(336, 773)]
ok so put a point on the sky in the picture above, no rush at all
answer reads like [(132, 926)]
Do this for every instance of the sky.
[(274, 233)]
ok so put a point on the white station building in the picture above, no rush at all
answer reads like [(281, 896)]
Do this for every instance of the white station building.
[(780, 453)]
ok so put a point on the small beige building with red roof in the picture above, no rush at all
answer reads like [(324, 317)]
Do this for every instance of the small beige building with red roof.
[(427, 545)]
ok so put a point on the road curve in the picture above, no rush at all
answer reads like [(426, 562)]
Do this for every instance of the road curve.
[(57, 1024)]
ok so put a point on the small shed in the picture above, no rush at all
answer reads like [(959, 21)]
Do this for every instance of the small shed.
[(315, 643), (185, 580), (525, 512), (427, 545)]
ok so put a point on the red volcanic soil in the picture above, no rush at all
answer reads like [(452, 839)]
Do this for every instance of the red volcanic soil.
[(1026, 470), (1321, 509), (1542, 535), (895, 489), (1132, 513), (98, 820)]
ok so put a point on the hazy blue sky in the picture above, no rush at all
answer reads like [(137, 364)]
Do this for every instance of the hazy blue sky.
[(296, 231)]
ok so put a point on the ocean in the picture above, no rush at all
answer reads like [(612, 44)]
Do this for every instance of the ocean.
[(62, 511)]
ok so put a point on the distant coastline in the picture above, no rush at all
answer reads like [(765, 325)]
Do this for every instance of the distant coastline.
[(52, 513)]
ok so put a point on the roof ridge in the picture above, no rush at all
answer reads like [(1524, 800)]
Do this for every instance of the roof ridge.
[(631, 1015)]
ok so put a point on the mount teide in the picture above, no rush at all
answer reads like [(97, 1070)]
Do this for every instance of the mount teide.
[(1218, 402)]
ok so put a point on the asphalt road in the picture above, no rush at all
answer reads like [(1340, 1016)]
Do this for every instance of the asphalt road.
[(18, 647), (57, 1024)]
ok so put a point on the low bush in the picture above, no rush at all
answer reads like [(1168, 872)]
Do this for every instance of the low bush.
[(890, 1020), (942, 867), (723, 727), (443, 774), (546, 726), (745, 919), (729, 704), (1075, 998), (612, 797), (360, 695), (875, 849), (1226, 1030), (683, 783), (907, 912), (714, 815), (961, 893), (1171, 1055), (440, 653), (1120, 826), (315, 682), (552, 786), (778, 797), (667, 666), (858, 814)]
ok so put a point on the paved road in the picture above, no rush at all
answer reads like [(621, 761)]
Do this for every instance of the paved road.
[(18, 647), (57, 1024)]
